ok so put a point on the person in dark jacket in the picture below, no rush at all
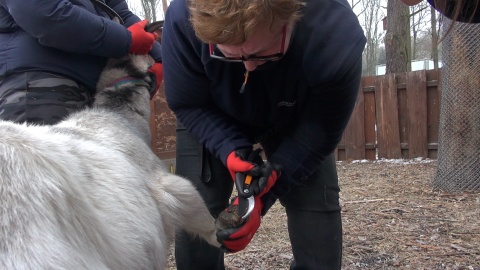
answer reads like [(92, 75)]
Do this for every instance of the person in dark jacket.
[(52, 53), (281, 73), (467, 11)]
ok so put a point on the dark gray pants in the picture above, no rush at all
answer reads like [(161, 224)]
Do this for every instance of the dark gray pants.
[(40, 97), (313, 211)]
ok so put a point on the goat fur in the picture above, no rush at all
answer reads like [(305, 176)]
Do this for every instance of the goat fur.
[(88, 192)]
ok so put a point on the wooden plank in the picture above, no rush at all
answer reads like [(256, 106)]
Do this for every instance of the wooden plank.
[(417, 114), (433, 110), (387, 117), (403, 128), (354, 135), (335, 153), (368, 84)]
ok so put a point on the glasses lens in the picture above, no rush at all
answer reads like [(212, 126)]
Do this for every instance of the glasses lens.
[(227, 59), (221, 57), (252, 58), (272, 57)]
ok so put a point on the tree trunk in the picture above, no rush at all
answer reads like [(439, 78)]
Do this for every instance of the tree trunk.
[(433, 21), (150, 9), (397, 39)]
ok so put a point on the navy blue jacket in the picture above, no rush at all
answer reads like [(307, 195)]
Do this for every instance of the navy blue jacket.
[(468, 14), (308, 95), (70, 38)]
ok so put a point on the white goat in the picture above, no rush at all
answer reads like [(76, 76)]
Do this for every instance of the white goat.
[(88, 193)]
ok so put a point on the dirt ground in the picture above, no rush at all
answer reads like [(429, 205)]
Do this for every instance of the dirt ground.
[(392, 219)]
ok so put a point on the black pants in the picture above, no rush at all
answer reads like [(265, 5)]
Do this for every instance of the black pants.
[(40, 97), (313, 211)]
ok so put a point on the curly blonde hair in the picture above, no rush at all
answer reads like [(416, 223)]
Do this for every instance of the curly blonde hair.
[(232, 21)]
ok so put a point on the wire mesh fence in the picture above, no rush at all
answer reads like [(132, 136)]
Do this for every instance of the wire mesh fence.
[(458, 167)]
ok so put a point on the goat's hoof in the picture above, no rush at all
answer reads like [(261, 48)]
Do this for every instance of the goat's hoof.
[(228, 218)]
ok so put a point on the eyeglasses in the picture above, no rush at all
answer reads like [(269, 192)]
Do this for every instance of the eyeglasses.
[(253, 57)]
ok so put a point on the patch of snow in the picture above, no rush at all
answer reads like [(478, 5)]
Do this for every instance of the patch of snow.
[(394, 161)]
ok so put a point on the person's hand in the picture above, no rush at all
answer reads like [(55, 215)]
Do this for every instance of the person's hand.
[(269, 173), (241, 160), (142, 41), (157, 71), (236, 239), (249, 162)]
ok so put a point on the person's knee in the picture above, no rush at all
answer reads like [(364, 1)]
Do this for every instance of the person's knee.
[(319, 192), (316, 239), (323, 200)]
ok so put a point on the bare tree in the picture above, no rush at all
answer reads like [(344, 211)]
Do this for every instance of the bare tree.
[(355, 3), (423, 45), (418, 24), (397, 39), (137, 10), (433, 25), (370, 15), (152, 10)]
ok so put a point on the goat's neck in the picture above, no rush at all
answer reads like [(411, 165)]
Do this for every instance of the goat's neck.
[(128, 80)]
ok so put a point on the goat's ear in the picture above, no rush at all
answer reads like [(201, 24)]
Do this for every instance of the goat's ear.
[(154, 26)]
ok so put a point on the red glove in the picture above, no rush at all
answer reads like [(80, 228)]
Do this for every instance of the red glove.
[(270, 173), (237, 162), (142, 41), (157, 71), (236, 239), (249, 162)]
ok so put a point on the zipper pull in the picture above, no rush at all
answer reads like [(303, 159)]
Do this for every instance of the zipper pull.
[(242, 89)]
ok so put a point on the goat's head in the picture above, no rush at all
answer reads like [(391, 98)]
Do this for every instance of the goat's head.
[(130, 69), (126, 81)]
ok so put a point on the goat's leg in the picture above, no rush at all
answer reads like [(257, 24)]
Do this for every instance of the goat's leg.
[(180, 202)]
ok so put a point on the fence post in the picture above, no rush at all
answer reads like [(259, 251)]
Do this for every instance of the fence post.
[(388, 135), (417, 114)]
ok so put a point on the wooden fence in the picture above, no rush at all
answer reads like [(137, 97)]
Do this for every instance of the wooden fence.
[(396, 116), (163, 128)]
